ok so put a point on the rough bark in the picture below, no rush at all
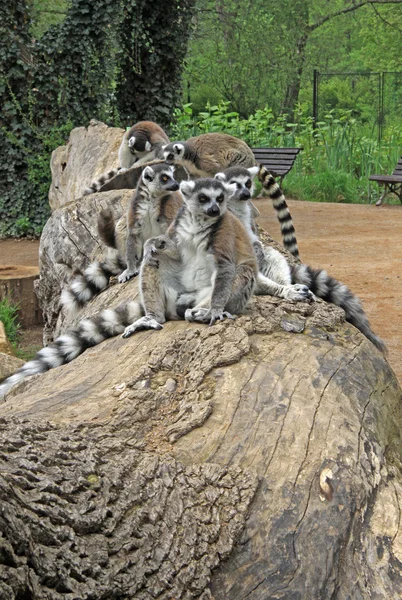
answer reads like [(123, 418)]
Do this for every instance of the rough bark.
[(90, 152), (311, 419)]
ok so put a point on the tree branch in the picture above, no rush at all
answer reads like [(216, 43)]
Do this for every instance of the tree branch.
[(348, 9)]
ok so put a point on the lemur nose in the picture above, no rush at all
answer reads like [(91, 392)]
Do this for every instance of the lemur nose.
[(213, 211), (245, 195)]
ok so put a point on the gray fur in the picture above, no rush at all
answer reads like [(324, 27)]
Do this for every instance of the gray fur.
[(145, 208)]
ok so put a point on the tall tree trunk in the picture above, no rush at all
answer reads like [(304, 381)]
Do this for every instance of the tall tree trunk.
[(293, 87)]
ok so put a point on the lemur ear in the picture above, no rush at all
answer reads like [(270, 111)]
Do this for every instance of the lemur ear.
[(186, 187), (148, 146), (253, 171), (231, 189), (131, 142), (148, 174), (178, 148), (220, 176)]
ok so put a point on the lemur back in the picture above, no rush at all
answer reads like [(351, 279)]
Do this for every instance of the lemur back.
[(207, 154), (142, 143), (153, 207)]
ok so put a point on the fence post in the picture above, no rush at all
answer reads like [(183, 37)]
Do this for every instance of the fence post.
[(315, 98)]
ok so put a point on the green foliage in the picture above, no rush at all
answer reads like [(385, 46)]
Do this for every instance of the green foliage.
[(9, 318), (114, 61), (337, 158)]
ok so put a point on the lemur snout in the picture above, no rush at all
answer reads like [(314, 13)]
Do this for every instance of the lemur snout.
[(245, 195), (173, 187), (213, 211)]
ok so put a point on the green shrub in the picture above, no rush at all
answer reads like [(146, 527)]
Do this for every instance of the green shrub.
[(9, 318)]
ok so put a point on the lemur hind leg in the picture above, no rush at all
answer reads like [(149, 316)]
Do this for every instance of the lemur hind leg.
[(240, 293), (275, 279), (158, 286)]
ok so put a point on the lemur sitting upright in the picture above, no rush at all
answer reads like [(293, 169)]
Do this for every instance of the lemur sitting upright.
[(153, 207), (218, 264), (142, 143), (278, 275), (206, 260)]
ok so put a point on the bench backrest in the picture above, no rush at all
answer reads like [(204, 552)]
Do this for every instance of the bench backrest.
[(398, 168), (278, 161)]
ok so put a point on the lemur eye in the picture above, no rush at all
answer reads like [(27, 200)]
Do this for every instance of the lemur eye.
[(164, 178), (162, 245), (248, 183), (202, 198), (220, 198), (239, 186)]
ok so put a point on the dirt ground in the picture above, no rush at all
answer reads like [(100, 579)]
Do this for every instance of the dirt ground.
[(360, 245)]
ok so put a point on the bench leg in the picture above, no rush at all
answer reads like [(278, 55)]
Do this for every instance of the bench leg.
[(385, 193)]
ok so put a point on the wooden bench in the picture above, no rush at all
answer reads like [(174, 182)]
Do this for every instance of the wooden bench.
[(392, 183), (278, 161)]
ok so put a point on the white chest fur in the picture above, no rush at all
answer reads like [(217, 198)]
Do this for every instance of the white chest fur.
[(198, 263), (148, 214)]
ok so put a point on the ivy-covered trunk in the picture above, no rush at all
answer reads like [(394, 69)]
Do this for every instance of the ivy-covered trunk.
[(113, 61), (153, 43)]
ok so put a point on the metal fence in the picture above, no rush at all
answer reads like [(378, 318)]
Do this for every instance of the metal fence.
[(373, 98)]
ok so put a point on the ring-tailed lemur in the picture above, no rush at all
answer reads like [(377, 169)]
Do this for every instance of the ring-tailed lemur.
[(206, 261), (142, 143), (218, 264), (153, 207), (207, 154), (279, 274)]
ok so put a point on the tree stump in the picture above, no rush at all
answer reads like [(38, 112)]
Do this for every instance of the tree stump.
[(17, 283)]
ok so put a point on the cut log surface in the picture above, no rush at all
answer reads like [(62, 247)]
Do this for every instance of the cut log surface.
[(239, 461), (17, 283)]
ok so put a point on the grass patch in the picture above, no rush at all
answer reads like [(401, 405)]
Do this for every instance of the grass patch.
[(9, 318), (325, 186), (14, 333)]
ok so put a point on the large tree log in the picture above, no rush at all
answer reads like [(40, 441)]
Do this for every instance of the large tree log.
[(313, 419), (237, 461)]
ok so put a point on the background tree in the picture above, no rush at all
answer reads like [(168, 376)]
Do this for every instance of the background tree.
[(65, 63)]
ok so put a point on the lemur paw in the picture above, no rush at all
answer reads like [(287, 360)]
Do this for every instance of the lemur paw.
[(300, 293), (197, 314), (127, 275), (219, 315), (140, 324)]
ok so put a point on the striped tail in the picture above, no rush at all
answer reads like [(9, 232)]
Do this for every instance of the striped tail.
[(98, 183), (329, 289), (93, 280), (88, 333), (273, 190), (95, 277)]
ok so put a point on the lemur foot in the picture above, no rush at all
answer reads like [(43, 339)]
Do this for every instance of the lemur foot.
[(140, 324), (197, 314), (299, 293), (219, 315), (127, 275), (206, 315)]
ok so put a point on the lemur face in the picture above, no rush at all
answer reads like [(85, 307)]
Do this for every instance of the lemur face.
[(159, 179), (173, 152), (242, 178), (206, 197)]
